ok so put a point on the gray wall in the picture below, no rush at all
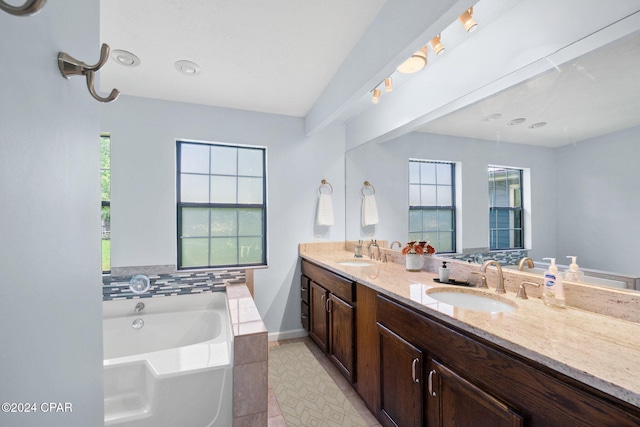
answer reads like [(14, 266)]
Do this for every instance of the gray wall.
[(50, 290), (598, 202), (143, 217), (386, 166)]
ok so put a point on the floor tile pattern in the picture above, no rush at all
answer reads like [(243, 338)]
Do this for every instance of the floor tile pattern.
[(306, 394)]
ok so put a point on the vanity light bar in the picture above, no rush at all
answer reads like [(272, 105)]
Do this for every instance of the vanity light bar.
[(418, 60)]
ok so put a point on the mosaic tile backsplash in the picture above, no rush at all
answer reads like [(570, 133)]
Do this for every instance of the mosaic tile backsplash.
[(117, 288), (510, 257)]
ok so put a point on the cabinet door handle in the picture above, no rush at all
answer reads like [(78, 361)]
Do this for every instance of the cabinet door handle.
[(413, 370), (304, 316), (430, 383), (322, 301), (303, 289), (328, 305)]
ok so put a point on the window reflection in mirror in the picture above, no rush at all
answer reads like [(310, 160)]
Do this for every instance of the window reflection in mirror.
[(581, 167)]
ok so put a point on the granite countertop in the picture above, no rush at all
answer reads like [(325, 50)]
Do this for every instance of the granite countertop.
[(598, 350)]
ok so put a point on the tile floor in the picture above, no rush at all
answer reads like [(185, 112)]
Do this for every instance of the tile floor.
[(275, 416)]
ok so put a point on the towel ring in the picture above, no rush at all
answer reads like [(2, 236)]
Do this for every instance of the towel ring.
[(325, 182), (368, 184)]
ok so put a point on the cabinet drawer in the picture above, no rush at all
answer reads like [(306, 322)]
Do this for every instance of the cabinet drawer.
[(304, 315), (338, 285), (304, 289)]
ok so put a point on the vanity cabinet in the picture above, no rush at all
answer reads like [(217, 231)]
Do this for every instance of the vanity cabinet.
[(332, 316), (319, 323), (455, 401), (401, 390), (444, 399), (415, 369), (467, 381)]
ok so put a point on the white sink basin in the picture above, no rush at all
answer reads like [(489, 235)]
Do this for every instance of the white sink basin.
[(355, 263), (472, 300)]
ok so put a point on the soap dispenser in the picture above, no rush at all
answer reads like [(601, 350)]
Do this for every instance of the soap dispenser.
[(574, 274), (444, 273), (357, 250), (553, 292)]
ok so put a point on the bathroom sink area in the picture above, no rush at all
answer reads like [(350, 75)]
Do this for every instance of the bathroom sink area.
[(472, 300), (355, 263)]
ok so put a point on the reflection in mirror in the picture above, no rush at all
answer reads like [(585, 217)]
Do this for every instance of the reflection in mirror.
[(577, 147), (431, 203)]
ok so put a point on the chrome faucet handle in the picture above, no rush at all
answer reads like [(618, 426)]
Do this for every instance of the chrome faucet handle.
[(522, 292)]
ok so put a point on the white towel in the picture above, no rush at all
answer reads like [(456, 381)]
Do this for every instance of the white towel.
[(369, 210), (325, 210)]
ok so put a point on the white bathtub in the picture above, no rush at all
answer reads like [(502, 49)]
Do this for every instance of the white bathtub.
[(176, 369)]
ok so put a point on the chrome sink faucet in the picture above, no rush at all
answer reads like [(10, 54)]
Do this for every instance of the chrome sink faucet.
[(500, 285), (529, 262)]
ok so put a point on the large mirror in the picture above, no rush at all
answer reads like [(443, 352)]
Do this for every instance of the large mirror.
[(581, 161)]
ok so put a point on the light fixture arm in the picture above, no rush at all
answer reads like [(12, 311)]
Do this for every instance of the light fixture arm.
[(28, 8), (69, 66)]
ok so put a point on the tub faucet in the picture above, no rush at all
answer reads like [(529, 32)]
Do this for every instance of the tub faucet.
[(139, 307), (500, 285), (529, 262)]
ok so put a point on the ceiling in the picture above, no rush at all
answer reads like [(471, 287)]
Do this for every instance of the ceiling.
[(592, 95), (319, 60), (272, 56)]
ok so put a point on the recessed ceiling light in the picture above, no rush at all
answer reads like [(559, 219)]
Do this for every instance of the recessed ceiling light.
[(187, 67), (516, 121), (537, 125), (492, 117), (125, 58)]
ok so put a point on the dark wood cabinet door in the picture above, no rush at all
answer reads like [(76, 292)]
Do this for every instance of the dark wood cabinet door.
[(342, 336), (401, 384), (454, 401), (319, 325)]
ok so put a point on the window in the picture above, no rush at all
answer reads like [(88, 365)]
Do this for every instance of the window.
[(105, 190), (432, 211), (221, 205), (506, 229)]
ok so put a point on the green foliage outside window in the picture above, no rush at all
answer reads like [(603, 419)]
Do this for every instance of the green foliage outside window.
[(105, 196)]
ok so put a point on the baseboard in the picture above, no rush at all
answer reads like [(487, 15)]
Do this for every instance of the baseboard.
[(287, 335)]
